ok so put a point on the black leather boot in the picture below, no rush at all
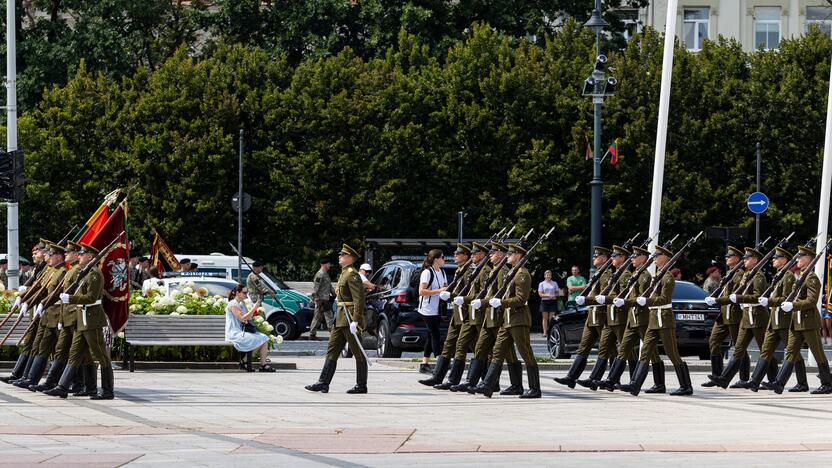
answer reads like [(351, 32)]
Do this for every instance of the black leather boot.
[(760, 371), (578, 366), (360, 378), (614, 377), (90, 378), (782, 377), (658, 379), (78, 382), (631, 366), (62, 389), (730, 371), (745, 370), (52, 377), (685, 387), (534, 383), (322, 385), (515, 376), (19, 367), (825, 380), (439, 371), (107, 385), (800, 373), (495, 387), (491, 377), (634, 387), (716, 369), (35, 373), (475, 370), (596, 375), (454, 376)]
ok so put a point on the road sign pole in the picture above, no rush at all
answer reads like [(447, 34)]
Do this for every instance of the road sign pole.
[(759, 189), (240, 215)]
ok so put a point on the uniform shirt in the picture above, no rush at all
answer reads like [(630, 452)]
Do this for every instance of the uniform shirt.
[(322, 286), (256, 288)]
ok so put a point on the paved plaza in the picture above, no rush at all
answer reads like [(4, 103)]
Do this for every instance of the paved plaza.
[(222, 418)]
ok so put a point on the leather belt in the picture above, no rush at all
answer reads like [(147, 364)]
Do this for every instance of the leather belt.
[(658, 310), (750, 309), (84, 310)]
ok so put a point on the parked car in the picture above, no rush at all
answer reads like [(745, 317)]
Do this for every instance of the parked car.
[(694, 320), (289, 318)]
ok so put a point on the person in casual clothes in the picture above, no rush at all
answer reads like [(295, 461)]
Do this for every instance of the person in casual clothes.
[(548, 292), (364, 272), (432, 282), (575, 284), (713, 279), (4, 268), (237, 313), (322, 298)]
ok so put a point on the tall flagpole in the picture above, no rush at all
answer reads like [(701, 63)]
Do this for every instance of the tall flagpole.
[(11, 143), (661, 131)]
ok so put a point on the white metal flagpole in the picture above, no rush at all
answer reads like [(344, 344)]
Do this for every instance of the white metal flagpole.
[(11, 141)]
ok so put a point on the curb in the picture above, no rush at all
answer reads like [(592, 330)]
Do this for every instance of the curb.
[(164, 365)]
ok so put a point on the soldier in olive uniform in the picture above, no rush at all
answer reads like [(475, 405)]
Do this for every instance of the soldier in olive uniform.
[(593, 326), (470, 331), (637, 321), (458, 318), (349, 323), (50, 315), (777, 330), (754, 318), (89, 332), (728, 322), (517, 322), (256, 288), (805, 327), (322, 297), (662, 326)]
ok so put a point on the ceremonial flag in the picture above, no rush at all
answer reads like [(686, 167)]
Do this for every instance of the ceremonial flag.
[(93, 225), (161, 256), (114, 267), (613, 150), (588, 154)]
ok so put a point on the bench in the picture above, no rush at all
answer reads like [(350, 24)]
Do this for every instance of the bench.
[(18, 332), (174, 330)]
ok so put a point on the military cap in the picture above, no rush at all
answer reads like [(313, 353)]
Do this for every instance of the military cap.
[(325, 261), (802, 250), (497, 247), (143, 259), (781, 252), (752, 252), (4, 261), (256, 264), (598, 250), (349, 251), (185, 260), (641, 251), (618, 250), (43, 243), (733, 251), (23, 261), (462, 249), (86, 248), (53, 249), (514, 248), (663, 251), (72, 246), (477, 247)]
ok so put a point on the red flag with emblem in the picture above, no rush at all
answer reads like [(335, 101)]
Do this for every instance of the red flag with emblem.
[(114, 267)]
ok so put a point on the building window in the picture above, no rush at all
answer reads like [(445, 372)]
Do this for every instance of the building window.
[(632, 25), (767, 27), (820, 17), (695, 27)]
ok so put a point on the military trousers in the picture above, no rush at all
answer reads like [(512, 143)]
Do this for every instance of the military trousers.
[(339, 337), (89, 343), (29, 339), (611, 338), (719, 332), (628, 350), (770, 342), (64, 346), (668, 340), (811, 338), (48, 341), (469, 333), (449, 347), (507, 339), (323, 312), (590, 336), (744, 339), (485, 346)]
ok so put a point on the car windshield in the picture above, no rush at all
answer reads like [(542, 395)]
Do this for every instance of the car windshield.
[(215, 288), (685, 291), (280, 284)]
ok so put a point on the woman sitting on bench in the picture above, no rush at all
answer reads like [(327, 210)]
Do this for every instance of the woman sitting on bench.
[(236, 315)]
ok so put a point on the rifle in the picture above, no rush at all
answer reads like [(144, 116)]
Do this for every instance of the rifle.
[(512, 274), (785, 269), (666, 268), (625, 291), (27, 295), (810, 268), (746, 288), (624, 266), (597, 276), (492, 276), (467, 288), (460, 272), (274, 291), (733, 271)]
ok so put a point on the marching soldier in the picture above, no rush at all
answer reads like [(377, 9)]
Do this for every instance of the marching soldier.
[(662, 327), (754, 319), (321, 295), (470, 331), (637, 321), (516, 324), (805, 327), (256, 288), (728, 322), (458, 318), (777, 330), (349, 323), (593, 326), (89, 332)]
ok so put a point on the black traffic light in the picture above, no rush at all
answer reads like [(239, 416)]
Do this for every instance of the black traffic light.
[(12, 178)]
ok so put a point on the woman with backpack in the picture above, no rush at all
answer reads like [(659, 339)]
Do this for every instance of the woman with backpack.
[(432, 282)]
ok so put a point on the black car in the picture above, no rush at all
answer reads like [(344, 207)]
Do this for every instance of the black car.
[(391, 314), (694, 320)]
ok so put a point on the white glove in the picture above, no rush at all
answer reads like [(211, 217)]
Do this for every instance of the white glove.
[(618, 302), (476, 304), (600, 299), (787, 306), (60, 326), (24, 308), (710, 301), (354, 327), (459, 300), (580, 300), (494, 302), (733, 298), (444, 295), (16, 302), (763, 301), (22, 289), (64, 298), (642, 301), (39, 310)]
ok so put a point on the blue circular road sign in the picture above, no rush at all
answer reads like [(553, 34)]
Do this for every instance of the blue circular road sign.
[(757, 202)]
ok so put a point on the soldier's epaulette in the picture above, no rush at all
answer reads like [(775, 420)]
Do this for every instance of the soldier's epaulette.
[(350, 270)]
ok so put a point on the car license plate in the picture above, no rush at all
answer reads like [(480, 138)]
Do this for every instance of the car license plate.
[(691, 317)]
